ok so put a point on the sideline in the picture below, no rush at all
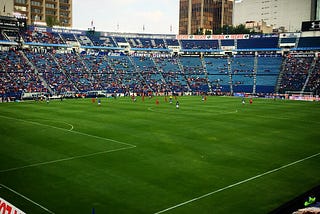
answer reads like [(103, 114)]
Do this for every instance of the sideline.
[(236, 184), (26, 198)]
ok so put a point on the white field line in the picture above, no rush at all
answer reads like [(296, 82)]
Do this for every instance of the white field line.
[(128, 146), (26, 198), (236, 184), (69, 130), (63, 159), (71, 126)]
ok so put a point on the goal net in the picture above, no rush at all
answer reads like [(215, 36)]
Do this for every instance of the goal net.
[(299, 95)]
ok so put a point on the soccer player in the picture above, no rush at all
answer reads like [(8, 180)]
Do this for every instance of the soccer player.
[(177, 105), (47, 99), (204, 98), (170, 99), (99, 102), (133, 98)]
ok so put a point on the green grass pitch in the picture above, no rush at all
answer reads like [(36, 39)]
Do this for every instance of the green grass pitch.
[(217, 156)]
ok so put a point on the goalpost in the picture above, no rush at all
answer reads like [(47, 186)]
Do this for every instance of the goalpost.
[(300, 95)]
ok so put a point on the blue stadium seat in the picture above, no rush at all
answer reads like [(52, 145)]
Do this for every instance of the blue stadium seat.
[(309, 42), (258, 43)]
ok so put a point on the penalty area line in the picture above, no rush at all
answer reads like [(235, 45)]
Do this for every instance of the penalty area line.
[(70, 130), (236, 184), (64, 159), (127, 146), (26, 198)]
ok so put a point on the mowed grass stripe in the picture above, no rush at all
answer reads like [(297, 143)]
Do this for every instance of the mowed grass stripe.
[(181, 153), (127, 146), (236, 184)]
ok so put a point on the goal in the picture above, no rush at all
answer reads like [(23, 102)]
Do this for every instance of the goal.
[(299, 95)]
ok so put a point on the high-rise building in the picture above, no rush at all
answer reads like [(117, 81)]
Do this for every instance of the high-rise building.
[(316, 6), (39, 11), (6, 8), (280, 14), (204, 15)]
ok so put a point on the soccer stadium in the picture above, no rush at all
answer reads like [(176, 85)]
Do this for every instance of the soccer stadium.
[(109, 122)]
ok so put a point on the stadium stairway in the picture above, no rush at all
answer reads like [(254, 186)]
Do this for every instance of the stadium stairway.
[(310, 71), (138, 71), (159, 70), (64, 71), (45, 84), (255, 70), (278, 84), (206, 73), (183, 73)]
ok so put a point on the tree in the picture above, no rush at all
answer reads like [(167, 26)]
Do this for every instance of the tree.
[(241, 29), (202, 31), (208, 32), (228, 29), (199, 31), (51, 21)]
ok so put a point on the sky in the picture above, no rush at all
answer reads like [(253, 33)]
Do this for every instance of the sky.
[(127, 16)]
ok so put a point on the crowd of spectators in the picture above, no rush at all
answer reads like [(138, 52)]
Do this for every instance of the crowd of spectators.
[(200, 44), (42, 37), (50, 71), (195, 73), (75, 70), (2, 37), (17, 75), (146, 43), (31, 71), (172, 74), (295, 73), (314, 80)]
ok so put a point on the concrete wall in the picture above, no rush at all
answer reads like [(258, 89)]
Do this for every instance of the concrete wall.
[(6, 8), (287, 13)]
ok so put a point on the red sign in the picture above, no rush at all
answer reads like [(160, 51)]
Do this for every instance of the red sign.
[(212, 37), (7, 208)]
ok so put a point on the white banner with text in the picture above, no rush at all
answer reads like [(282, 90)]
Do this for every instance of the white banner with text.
[(7, 208)]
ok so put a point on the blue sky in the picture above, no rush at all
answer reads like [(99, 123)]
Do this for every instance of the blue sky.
[(127, 15)]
